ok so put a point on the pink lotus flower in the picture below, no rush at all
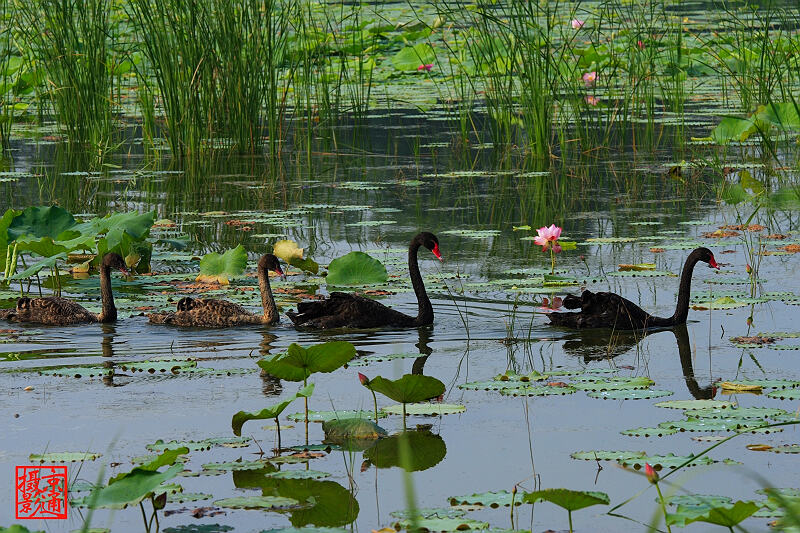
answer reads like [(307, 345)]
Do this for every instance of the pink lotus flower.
[(650, 472), (592, 100), (548, 235), (363, 379), (426, 67), (640, 44), (577, 24), (589, 78)]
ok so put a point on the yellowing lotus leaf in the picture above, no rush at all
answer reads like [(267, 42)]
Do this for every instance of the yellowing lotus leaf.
[(287, 250)]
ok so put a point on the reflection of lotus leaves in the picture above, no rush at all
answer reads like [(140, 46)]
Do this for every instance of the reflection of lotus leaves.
[(425, 451), (333, 505)]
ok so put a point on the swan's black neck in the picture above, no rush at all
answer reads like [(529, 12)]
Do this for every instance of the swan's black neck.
[(267, 299), (425, 313), (109, 312), (684, 293)]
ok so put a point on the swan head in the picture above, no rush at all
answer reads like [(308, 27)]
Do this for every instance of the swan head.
[(23, 303), (706, 256), (270, 262), (431, 242), (185, 304), (116, 261)]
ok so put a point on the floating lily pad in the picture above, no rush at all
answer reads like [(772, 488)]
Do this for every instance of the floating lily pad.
[(603, 455), (436, 525), (494, 385), (666, 461), (298, 474), (649, 432), (640, 274), (236, 465), (712, 424), (785, 394), (380, 358), (617, 383), (786, 448), (629, 394), (63, 457), (695, 404), (696, 500), (493, 499), (538, 391), (78, 371), (740, 412), (435, 409), (324, 416), (436, 512), (158, 367), (207, 444), (473, 234), (764, 383), (259, 502)]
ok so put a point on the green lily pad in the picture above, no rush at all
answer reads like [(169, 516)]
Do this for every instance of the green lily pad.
[(649, 432), (78, 371), (299, 362), (63, 457), (616, 383), (712, 424), (344, 429), (298, 474), (538, 391), (380, 358), (603, 455), (696, 500), (260, 502), (270, 412), (669, 460), (695, 404), (740, 412), (493, 499), (472, 233), (433, 512), (785, 394), (306, 530), (157, 367), (726, 515), (408, 389), (356, 268), (233, 466), (629, 394), (184, 497), (206, 444), (766, 383), (571, 500), (432, 409), (324, 416), (494, 385), (441, 525), (786, 448)]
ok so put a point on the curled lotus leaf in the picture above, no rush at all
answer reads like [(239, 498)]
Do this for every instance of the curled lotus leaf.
[(538, 391), (260, 502), (63, 457), (630, 394), (669, 460), (726, 515), (604, 455), (425, 409), (695, 404), (493, 499), (341, 430), (649, 432), (441, 525)]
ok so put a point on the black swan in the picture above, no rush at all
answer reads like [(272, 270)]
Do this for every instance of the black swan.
[(345, 310), (609, 310), (57, 311), (208, 313)]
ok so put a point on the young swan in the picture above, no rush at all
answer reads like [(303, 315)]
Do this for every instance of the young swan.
[(210, 313)]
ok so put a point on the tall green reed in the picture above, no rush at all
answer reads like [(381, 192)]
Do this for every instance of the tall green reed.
[(69, 39)]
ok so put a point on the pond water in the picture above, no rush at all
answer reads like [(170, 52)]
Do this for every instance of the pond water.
[(490, 318)]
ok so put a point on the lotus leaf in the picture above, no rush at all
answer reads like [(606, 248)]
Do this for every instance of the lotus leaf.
[(77, 371), (440, 525), (785, 394), (299, 363), (666, 461), (63, 457), (493, 499), (306, 530), (695, 404), (436, 512), (629, 394), (184, 497), (411, 57), (538, 391), (341, 430), (425, 409), (697, 500), (237, 465), (649, 432), (323, 416), (298, 474), (408, 389), (726, 515), (269, 412), (603, 455), (731, 413), (356, 268), (216, 268), (207, 444), (40, 222), (616, 383), (260, 502), (712, 424), (133, 488), (167, 458), (571, 500)]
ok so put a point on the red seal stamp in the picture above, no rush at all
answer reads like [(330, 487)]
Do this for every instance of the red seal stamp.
[(40, 492)]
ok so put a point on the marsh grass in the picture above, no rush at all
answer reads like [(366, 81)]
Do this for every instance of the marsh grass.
[(70, 39)]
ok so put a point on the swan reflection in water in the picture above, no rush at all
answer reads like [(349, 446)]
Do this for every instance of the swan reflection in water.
[(595, 345)]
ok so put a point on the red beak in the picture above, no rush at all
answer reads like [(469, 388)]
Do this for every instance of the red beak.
[(279, 272), (713, 263), (125, 271), (436, 252)]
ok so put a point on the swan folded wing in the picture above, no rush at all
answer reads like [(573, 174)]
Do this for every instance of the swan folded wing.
[(344, 310), (53, 311)]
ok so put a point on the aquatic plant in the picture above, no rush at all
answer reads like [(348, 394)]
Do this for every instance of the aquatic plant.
[(410, 388), (547, 238), (274, 411)]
